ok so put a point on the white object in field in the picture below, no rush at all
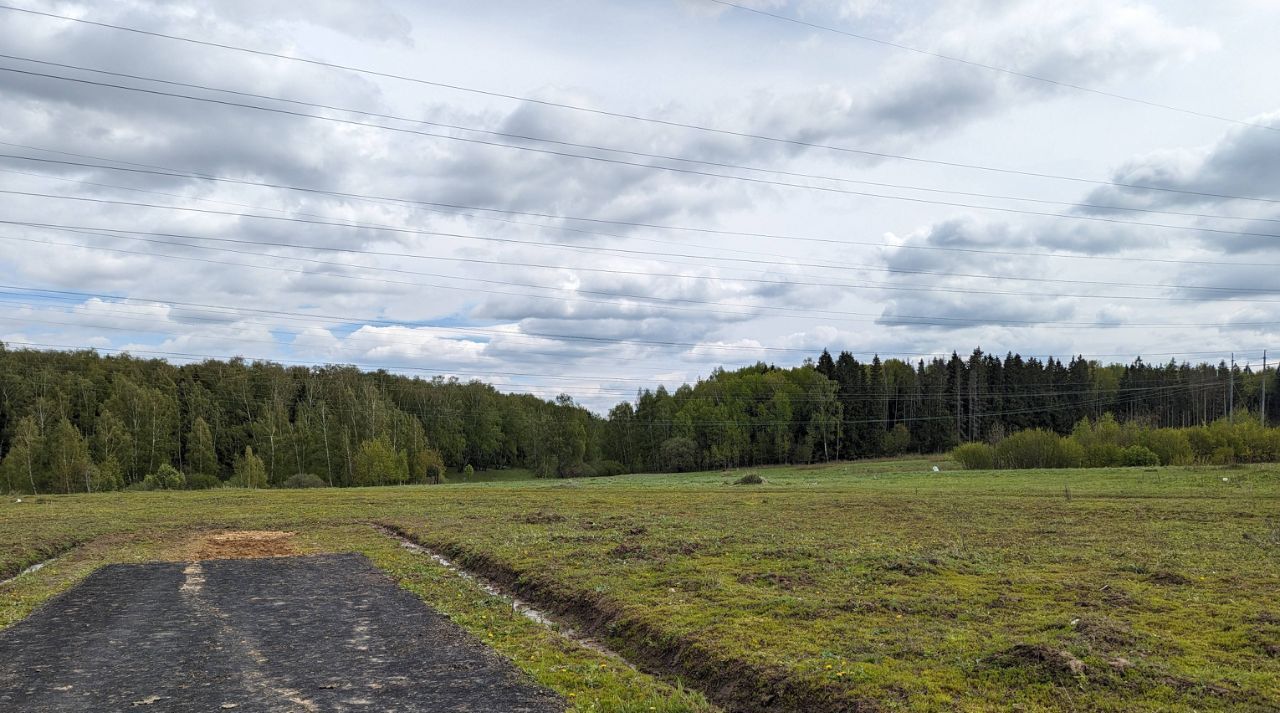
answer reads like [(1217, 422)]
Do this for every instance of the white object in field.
[(1224, 480), (935, 469)]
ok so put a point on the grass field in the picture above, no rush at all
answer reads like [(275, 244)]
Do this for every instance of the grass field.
[(869, 586)]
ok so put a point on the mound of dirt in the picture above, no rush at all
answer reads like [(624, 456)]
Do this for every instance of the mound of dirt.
[(243, 544)]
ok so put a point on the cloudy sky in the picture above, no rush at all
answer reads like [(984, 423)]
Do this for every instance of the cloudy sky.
[(441, 214)]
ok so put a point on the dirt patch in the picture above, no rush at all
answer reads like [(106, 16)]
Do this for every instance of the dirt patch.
[(242, 544), (1168, 578), (1051, 663)]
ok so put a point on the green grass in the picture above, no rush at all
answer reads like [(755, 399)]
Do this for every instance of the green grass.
[(879, 584)]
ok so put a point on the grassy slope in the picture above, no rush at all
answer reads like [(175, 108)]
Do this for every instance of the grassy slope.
[(880, 583)]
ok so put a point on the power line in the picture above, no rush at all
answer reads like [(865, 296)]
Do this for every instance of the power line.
[(624, 115), (991, 67), (623, 251), (350, 319), (640, 154), (881, 319), (899, 320), (634, 164), (454, 209)]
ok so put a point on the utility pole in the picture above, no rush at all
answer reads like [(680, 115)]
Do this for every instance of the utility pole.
[(1231, 390), (1263, 411)]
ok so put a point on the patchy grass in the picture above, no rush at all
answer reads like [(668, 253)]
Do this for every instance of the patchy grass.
[(869, 586)]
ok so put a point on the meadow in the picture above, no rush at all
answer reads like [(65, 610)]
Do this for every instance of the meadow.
[(877, 585)]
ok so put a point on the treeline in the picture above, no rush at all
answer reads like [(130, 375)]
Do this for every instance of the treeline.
[(841, 408), (1105, 443), (76, 421)]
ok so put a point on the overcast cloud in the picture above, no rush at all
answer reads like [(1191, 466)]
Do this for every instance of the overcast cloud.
[(800, 256)]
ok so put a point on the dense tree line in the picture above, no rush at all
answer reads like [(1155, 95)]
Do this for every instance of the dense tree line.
[(77, 421), (841, 408)]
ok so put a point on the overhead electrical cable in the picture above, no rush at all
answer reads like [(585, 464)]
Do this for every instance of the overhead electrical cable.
[(615, 114), (634, 164), (454, 208)]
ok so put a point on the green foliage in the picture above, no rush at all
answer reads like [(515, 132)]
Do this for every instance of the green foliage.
[(897, 440), (201, 456), (1102, 455), (974, 456), (249, 471), (108, 476), (468, 472), (303, 480), (1135, 456), (166, 477), (203, 481), (427, 466), (1244, 441), (1037, 448), (378, 463), (680, 455), (607, 468), (1171, 445)]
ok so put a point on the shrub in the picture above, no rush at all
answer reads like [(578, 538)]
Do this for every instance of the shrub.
[(426, 466), (897, 440), (975, 456), (578, 470), (250, 471), (203, 481), (435, 472), (1135, 456), (1102, 455), (749, 479), (377, 462), (468, 472), (1036, 448), (108, 476), (679, 455), (303, 480), (166, 477), (1171, 445), (607, 468)]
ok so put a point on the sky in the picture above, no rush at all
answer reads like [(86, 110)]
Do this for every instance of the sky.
[(594, 196)]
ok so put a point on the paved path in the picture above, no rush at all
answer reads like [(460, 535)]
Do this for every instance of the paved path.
[(325, 633)]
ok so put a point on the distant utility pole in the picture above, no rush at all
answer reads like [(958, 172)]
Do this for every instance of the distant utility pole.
[(1231, 390), (1263, 410)]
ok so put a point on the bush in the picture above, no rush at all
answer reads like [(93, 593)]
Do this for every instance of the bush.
[(468, 472), (578, 470), (203, 481), (607, 468), (166, 477), (749, 479), (303, 480), (679, 455), (250, 471), (897, 440), (1171, 445), (1135, 456), (1102, 455), (1036, 448), (975, 456), (108, 476)]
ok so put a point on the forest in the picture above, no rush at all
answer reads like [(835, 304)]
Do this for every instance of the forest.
[(82, 421)]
